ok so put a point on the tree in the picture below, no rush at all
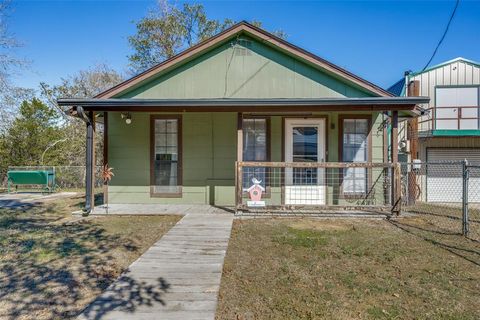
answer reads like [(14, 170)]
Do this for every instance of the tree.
[(168, 30), (29, 135), (10, 96), (84, 84)]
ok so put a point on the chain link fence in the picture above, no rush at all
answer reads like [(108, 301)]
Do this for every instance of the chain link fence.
[(445, 194), (65, 177), (473, 203)]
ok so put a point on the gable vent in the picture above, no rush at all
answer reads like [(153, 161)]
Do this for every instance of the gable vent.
[(242, 47)]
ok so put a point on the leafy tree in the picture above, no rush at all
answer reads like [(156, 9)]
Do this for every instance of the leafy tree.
[(166, 31), (29, 135), (84, 84)]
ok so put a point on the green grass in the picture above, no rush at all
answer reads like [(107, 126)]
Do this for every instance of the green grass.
[(53, 264), (344, 269)]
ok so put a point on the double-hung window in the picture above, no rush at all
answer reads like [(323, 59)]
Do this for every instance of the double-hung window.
[(255, 148), (354, 148), (166, 155)]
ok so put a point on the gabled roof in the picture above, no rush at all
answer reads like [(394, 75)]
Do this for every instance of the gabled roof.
[(398, 88), (266, 37), (444, 64)]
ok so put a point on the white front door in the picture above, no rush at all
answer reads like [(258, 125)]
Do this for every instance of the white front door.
[(305, 142)]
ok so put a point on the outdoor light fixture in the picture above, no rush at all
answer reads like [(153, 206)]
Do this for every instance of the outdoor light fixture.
[(127, 117)]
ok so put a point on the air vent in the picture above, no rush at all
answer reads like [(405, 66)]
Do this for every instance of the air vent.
[(242, 47), (241, 52), (244, 43)]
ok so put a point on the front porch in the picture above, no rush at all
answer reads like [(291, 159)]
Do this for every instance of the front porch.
[(325, 161)]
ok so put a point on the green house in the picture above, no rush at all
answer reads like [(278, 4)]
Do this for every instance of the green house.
[(179, 132)]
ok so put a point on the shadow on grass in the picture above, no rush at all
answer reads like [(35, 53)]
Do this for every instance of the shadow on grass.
[(453, 242), (48, 266)]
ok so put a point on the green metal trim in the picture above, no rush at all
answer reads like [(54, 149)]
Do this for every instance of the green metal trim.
[(455, 133)]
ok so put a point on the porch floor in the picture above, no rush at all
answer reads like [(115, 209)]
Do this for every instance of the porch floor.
[(195, 209), (185, 265), (153, 209)]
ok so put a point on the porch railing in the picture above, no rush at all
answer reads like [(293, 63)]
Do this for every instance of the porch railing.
[(451, 118), (313, 186)]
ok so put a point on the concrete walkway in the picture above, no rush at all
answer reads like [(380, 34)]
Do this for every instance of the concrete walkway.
[(177, 278), (27, 200)]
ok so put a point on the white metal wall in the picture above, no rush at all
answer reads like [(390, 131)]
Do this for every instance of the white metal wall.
[(457, 72)]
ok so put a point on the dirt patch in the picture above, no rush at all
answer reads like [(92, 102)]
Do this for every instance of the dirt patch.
[(53, 264)]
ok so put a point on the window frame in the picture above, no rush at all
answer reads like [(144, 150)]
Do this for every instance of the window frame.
[(178, 194), (341, 118), (268, 148)]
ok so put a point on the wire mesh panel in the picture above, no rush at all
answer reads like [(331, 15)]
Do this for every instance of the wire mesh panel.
[(314, 186)]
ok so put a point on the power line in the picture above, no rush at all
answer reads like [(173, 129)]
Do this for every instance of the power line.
[(444, 34)]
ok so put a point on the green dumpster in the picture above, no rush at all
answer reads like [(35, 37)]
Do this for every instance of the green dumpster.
[(44, 178)]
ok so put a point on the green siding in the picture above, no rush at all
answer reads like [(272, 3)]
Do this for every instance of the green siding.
[(227, 72), (209, 155), (209, 139)]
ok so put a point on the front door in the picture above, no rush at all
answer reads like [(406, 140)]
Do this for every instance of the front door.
[(305, 142)]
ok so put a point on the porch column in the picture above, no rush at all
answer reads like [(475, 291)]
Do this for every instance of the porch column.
[(396, 186), (105, 152), (238, 171), (394, 137), (90, 162), (412, 136)]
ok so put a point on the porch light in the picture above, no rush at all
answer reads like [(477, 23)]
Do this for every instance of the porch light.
[(127, 117)]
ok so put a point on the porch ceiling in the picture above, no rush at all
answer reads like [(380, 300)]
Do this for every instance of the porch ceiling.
[(408, 106)]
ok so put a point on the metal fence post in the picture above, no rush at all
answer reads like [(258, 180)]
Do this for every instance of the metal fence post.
[(465, 198)]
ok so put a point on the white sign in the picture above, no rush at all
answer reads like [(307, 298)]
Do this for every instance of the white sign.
[(256, 204)]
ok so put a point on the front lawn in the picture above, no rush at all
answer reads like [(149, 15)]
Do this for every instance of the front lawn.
[(348, 269), (53, 264)]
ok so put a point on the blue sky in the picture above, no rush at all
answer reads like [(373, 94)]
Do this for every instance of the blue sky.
[(377, 40)]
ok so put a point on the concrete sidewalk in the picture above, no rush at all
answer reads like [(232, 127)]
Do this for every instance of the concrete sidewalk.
[(177, 278)]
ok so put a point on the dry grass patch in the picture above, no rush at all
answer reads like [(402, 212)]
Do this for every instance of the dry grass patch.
[(53, 264), (345, 269)]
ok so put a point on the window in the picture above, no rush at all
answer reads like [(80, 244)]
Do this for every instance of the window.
[(355, 149), (255, 148), (166, 154), (457, 108), (305, 149)]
